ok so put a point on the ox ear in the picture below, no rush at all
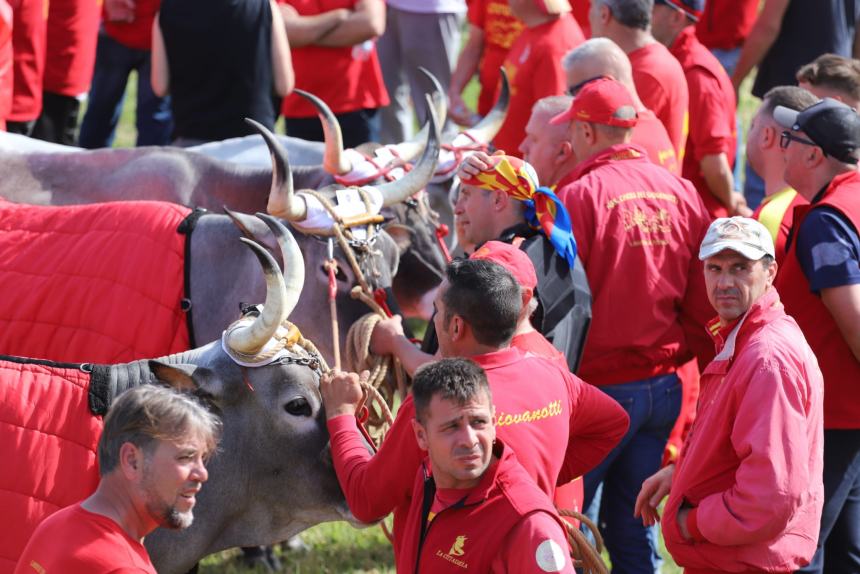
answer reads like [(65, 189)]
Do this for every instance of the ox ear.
[(187, 378), (401, 235)]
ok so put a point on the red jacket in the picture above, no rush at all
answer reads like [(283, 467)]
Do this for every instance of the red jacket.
[(751, 466), (561, 427), (712, 113), (471, 534), (725, 24), (638, 230), (841, 369)]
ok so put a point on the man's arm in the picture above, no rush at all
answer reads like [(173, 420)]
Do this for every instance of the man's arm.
[(388, 339), (773, 474), (597, 424), (720, 181), (653, 491), (374, 485), (365, 22), (467, 65), (159, 76), (307, 30), (282, 63), (844, 306), (536, 544), (761, 38)]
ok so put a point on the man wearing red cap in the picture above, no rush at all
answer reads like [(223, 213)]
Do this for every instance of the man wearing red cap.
[(658, 77), (711, 143), (637, 228), (532, 62)]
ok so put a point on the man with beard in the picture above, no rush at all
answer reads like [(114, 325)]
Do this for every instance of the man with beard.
[(151, 462)]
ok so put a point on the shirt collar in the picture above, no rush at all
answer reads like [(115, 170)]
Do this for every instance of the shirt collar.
[(500, 358), (614, 153)]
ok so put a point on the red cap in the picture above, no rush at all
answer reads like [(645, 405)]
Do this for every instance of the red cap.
[(511, 258), (602, 101)]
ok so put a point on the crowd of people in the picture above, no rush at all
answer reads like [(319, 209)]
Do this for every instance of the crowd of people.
[(634, 320)]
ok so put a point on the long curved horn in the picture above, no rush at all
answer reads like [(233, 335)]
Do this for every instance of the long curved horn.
[(334, 160), (439, 97), (294, 261), (410, 149), (420, 175), (249, 339), (283, 202), (485, 130)]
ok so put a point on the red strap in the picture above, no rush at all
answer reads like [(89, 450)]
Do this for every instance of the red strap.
[(441, 233), (381, 298), (361, 418), (332, 279)]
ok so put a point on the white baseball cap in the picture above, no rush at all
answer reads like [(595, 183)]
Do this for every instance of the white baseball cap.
[(741, 234)]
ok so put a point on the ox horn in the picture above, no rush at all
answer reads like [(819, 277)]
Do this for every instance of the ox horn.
[(486, 129), (416, 179), (334, 160), (283, 202), (282, 292), (409, 150)]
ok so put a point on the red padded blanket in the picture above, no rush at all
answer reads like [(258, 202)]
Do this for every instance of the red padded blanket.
[(48, 441), (98, 283)]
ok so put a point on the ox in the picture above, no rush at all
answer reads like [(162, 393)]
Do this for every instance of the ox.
[(272, 476), (213, 288)]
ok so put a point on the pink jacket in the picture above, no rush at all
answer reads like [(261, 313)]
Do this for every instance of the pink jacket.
[(751, 466)]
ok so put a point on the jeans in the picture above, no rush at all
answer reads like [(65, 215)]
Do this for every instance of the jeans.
[(114, 62), (839, 539), (728, 58), (653, 406)]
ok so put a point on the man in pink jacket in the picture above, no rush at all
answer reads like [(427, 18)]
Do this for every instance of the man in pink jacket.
[(746, 493)]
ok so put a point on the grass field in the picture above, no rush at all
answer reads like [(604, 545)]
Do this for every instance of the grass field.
[(337, 547)]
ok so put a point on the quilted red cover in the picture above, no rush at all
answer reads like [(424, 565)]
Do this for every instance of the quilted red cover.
[(98, 283), (45, 425)]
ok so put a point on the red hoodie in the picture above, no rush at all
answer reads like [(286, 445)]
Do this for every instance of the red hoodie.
[(560, 426), (751, 466)]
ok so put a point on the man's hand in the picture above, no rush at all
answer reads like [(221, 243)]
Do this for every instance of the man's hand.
[(474, 164), (459, 111), (383, 340), (341, 392), (739, 205), (119, 10), (654, 489)]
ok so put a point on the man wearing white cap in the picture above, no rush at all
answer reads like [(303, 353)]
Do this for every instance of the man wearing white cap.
[(746, 493)]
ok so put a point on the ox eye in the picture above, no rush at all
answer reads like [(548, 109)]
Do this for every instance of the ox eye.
[(299, 407)]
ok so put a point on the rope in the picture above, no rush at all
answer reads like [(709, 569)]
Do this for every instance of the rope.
[(585, 556)]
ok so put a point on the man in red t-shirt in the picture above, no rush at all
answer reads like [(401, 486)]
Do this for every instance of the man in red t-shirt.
[(486, 513), (492, 31), (602, 57), (638, 228), (333, 46), (558, 425), (151, 462), (532, 63), (125, 45), (72, 31), (6, 69), (724, 26), (711, 144), (29, 26), (658, 76)]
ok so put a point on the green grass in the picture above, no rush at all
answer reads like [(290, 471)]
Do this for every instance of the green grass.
[(338, 547)]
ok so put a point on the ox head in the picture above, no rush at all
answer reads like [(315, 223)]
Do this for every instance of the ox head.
[(272, 475)]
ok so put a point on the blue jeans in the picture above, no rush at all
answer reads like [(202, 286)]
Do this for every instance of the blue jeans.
[(114, 62), (653, 406), (839, 540)]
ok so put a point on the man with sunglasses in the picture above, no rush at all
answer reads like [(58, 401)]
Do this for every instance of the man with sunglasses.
[(820, 287)]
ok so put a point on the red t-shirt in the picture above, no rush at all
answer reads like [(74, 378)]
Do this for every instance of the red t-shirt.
[(725, 24), (534, 72), (500, 29), (28, 48), (136, 34), (712, 113), (643, 227), (560, 426), (6, 68), (580, 12), (661, 85), (73, 27), (74, 540), (651, 135), (533, 343), (358, 84)]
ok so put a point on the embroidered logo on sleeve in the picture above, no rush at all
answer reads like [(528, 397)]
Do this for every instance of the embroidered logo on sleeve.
[(550, 557)]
